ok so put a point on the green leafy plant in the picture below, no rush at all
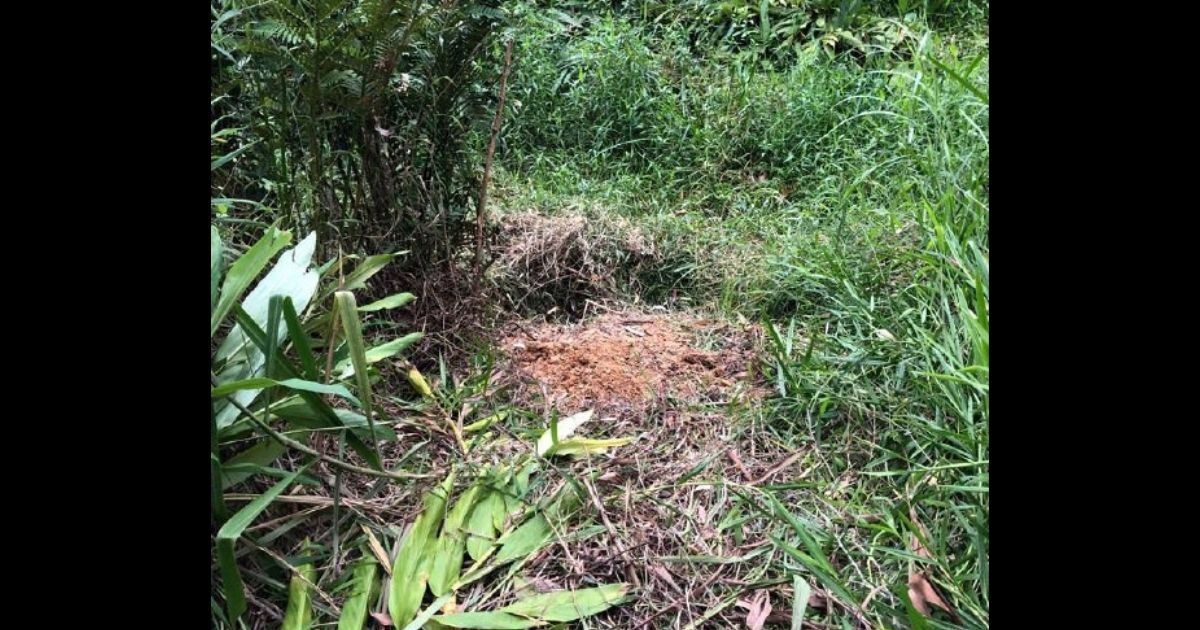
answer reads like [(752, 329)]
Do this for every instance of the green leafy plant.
[(268, 390), (493, 524), (352, 118)]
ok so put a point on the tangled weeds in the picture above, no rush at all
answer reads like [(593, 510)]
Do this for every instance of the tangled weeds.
[(670, 517), (667, 514), (561, 261)]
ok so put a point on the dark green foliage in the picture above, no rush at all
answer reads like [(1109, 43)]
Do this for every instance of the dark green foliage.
[(354, 116)]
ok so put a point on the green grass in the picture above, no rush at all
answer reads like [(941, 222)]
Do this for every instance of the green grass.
[(842, 201), (845, 206)]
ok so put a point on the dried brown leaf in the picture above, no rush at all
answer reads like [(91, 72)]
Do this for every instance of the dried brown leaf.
[(666, 576), (377, 549), (921, 592), (757, 610), (920, 589)]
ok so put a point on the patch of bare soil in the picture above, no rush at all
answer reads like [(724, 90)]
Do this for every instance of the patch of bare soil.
[(622, 363)]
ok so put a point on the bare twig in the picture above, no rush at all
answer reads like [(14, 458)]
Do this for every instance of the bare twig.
[(481, 211), (778, 467), (293, 444)]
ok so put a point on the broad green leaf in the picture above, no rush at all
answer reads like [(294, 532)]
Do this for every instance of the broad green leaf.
[(363, 272), (298, 410), (215, 251), (347, 369), (524, 540), (410, 569), (565, 429), (290, 277), (299, 606), (241, 466), (244, 270), (291, 383), (432, 609), (569, 605), (481, 528), (487, 621), (391, 301), (499, 509), (563, 505), (348, 313), (216, 472), (520, 485), (357, 279), (235, 596), (800, 593), (447, 563), (358, 603), (274, 319), (314, 401)]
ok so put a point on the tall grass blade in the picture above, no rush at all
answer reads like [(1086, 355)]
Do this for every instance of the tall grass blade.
[(227, 536)]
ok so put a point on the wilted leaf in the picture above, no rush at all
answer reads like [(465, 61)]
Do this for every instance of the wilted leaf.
[(920, 590), (480, 425), (392, 301), (487, 621), (377, 549), (800, 594), (565, 429), (569, 605), (577, 446), (419, 383), (757, 610)]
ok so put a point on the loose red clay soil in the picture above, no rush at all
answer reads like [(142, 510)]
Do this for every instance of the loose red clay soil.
[(622, 363)]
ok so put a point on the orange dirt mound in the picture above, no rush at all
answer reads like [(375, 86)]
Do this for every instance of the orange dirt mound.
[(625, 361)]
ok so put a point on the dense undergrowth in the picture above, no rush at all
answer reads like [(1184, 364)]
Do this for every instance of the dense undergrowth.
[(845, 200), (821, 167)]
